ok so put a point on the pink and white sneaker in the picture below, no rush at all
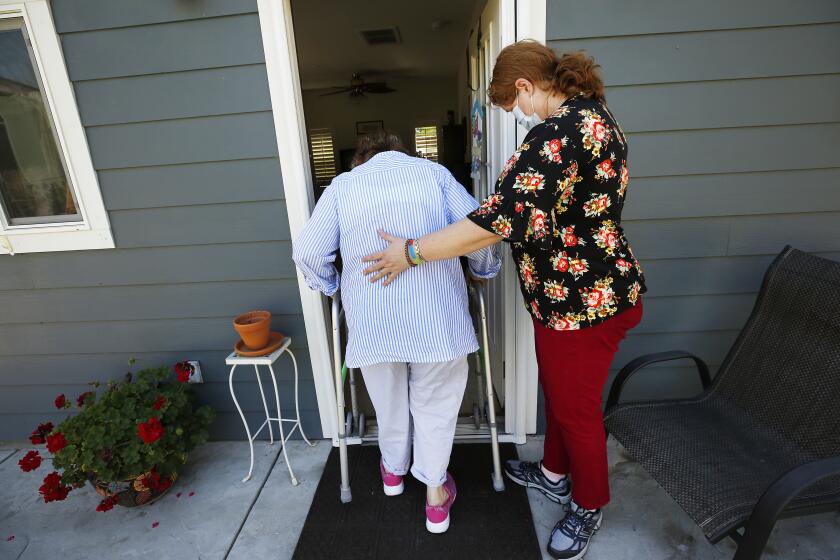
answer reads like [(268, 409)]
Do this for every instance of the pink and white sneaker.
[(437, 517), (391, 483)]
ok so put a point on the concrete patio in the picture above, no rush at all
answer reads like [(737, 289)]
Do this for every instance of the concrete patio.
[(210, 514)]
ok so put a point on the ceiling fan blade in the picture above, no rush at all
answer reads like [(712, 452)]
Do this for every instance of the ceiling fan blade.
[(337, 91), (378, 87)]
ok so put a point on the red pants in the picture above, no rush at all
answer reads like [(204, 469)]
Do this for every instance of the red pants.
[(573, 368)]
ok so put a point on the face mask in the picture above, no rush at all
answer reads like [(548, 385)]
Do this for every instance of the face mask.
[(525, 121)]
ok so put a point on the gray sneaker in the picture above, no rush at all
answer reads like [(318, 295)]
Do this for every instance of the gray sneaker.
[(530, 475), (571, 536)]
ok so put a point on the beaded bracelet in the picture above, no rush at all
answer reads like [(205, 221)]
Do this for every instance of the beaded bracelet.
[(414, 257), (408, 253), (417, 251)]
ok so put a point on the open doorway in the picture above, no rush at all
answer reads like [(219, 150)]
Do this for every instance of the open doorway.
[(380, 63), (514, 19), (420, 70)]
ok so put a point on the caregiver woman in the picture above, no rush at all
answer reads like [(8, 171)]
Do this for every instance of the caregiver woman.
[(558, 201)]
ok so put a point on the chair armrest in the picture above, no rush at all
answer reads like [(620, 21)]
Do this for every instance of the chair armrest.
[(631, 368), (776, 498)]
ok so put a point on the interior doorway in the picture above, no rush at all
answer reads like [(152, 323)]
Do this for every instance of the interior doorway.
[(289, 83), (419, 70)]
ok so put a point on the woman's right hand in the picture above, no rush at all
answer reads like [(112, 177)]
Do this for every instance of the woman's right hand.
[(389, 263)]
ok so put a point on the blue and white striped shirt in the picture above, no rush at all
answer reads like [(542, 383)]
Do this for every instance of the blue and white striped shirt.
[(423, 316)]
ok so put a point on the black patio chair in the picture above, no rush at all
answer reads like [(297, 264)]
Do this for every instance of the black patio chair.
[(762, 441)]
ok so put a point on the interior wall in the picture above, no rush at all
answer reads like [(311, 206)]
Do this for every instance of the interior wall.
[(416, 101)]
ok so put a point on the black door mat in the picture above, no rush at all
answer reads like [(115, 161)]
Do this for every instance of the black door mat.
[(484, 523)]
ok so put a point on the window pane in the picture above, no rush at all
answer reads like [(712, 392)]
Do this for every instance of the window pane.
[(34, 187), (426, 142), (323, 155)]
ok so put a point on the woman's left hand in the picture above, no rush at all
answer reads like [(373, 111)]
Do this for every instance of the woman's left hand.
[(389, 263)]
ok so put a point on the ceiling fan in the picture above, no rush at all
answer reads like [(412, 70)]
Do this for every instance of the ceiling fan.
[(358, 87)]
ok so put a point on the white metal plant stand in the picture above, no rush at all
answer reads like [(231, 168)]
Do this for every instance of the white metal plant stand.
[(234, 360)]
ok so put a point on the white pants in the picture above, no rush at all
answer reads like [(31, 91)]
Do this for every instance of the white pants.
[(429, 395)]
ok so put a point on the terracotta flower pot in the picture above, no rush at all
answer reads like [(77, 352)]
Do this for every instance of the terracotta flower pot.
[(254, 328)]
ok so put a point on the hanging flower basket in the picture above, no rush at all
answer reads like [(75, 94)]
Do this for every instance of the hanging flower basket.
[(128, 439)]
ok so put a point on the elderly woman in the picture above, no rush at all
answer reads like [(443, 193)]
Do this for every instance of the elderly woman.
[(411, 340), (558, 202)]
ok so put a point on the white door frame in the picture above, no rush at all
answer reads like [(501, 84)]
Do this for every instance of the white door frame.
[(278, 37), (531, 17), (518, 19)]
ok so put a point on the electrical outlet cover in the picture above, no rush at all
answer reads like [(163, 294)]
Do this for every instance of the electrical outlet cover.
[(195, 376)]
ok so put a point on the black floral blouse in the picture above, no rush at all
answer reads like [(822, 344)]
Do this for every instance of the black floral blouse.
[(558, 201)]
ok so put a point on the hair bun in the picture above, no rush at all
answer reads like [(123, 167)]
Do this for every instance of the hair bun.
[(569, 74), (576, 72)]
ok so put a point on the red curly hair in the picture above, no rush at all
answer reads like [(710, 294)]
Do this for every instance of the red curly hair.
[(568, 74)]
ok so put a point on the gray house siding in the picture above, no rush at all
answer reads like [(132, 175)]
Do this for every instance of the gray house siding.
[(733, 115), (174, 99)]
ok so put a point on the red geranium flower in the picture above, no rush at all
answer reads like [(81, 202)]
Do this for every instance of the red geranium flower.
[(156, 482), (52, 490), (80, 401), (183, 369), (107, 504), (56, 442), (57, 494), (39, 435), (159, 402), (150, 431), (60, 401), (30, 461), (52, 479)]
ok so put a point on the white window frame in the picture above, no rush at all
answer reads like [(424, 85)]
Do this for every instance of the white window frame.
[(425, 123), (94, 229), (336, 162)]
